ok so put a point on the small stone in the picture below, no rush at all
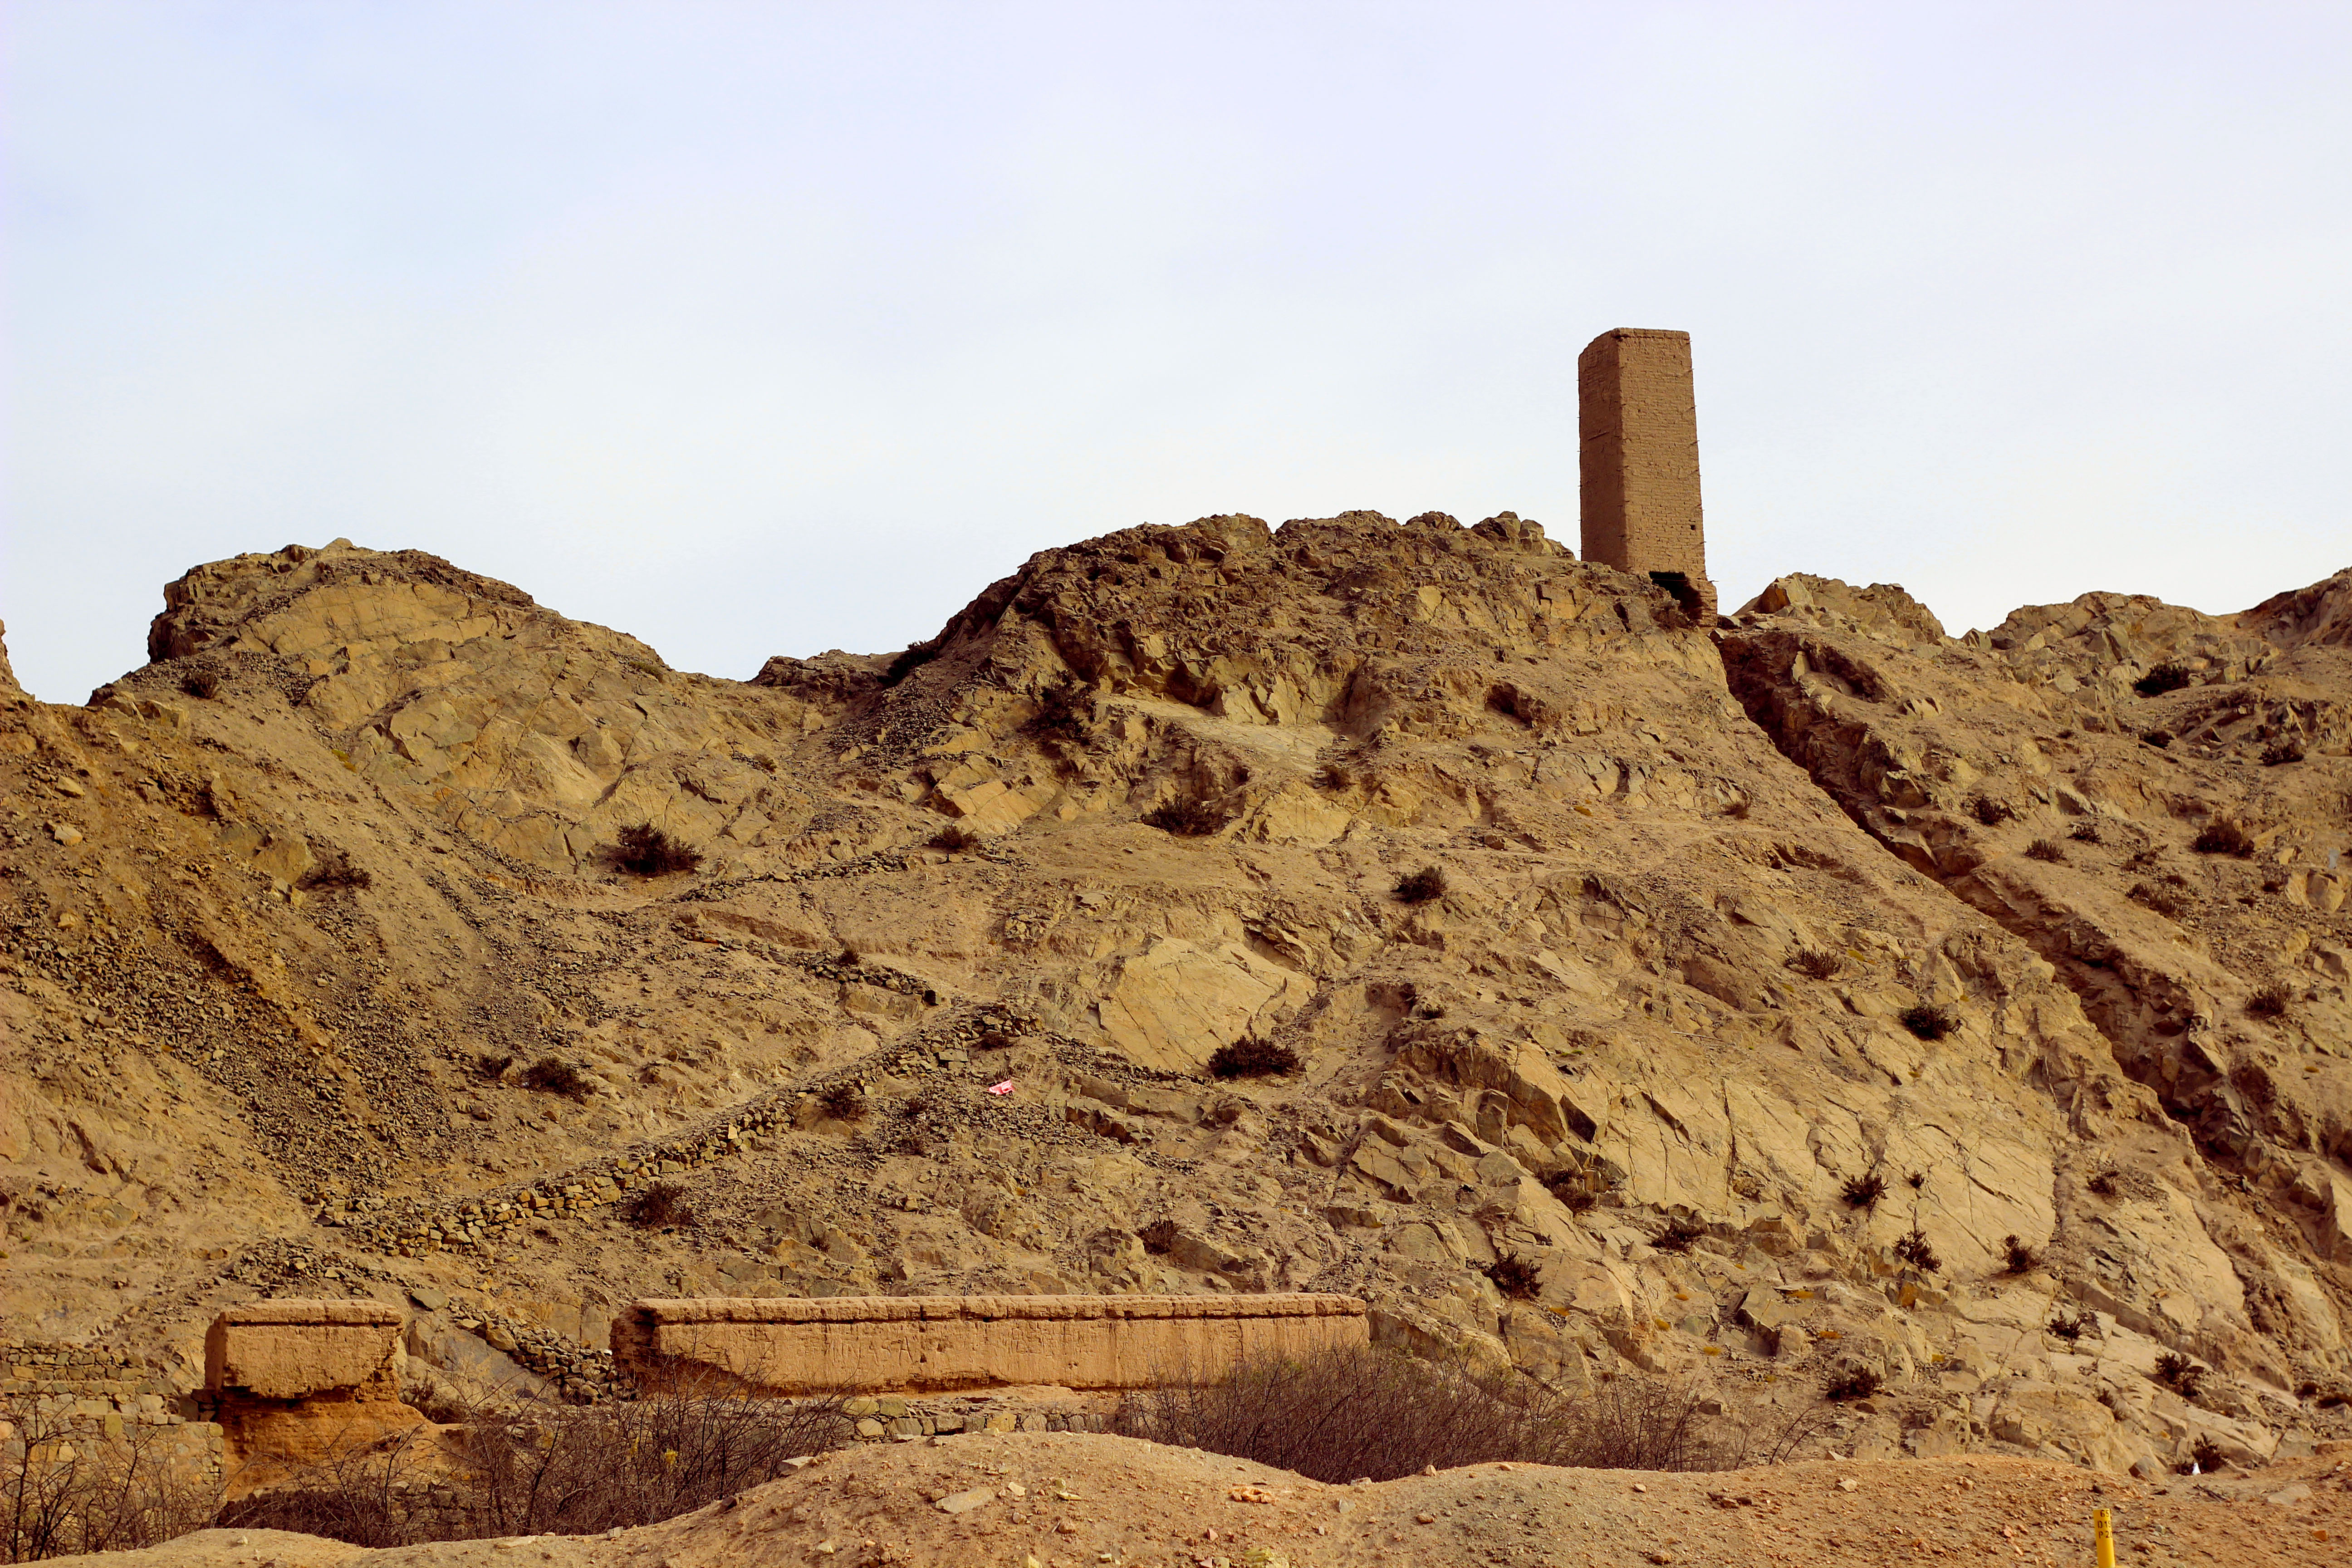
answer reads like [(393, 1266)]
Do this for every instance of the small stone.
[(964, 1503), (1847, 1485)]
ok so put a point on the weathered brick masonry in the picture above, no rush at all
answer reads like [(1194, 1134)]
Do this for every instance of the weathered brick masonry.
[(801, 1345), (1637, 426)]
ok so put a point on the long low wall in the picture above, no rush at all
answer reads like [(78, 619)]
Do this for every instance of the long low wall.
[(837, 1343)]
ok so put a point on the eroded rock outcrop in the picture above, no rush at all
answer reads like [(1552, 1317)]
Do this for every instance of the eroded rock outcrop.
[(1727, 1037)]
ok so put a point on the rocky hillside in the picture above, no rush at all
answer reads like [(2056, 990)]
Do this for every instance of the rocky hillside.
[(1777, 1005)]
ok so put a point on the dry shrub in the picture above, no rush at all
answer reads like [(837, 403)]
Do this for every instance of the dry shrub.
[(2073, 1326), (2203, 1455), (553, 1074), (1344, 1414), (534, 1469), (1515, 1277), (67, 1488), (2017, 1257), (2271, 1002), (1930, 1022), (1991, 812), (333, 869), (202, 682), (2180, 1374), (662, 1203), (1678, 1235), (955, 837), (2106, 1184), (2044, 849), (1863, 1192), (1425, 886), (1916, 1250), (1185, 819), (1571, 1188), (2163, 900), (2160, 739), (844, 1102), (2084, 833), (1850, 1382), (1064, 712), (1815, 965), (1253, 1058), (2223, 838), (645, 850), (2166, 677)]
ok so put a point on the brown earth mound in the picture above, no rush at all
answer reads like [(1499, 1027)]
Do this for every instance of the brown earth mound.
[(1067, 1501)]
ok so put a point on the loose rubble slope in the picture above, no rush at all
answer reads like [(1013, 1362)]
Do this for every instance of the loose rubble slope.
[(327, 979)]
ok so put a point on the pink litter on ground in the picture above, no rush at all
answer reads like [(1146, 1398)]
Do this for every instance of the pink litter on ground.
[(1004, 1087)]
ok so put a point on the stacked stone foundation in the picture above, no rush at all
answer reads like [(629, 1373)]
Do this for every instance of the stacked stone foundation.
[(70, 1406), (859, 1343)]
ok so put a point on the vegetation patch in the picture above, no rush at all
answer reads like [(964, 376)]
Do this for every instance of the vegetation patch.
[(645, 850), (1253, 1058), (2223, 837), (553, 1074), (2166, 677), (1186, 818), (2180, 1374), (1339, 1416), (1914, 1250), (1930, 1022), (1864, 1192), (1422, 887), (1515, 1277)]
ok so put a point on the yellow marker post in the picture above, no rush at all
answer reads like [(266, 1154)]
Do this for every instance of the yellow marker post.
[(2103, 1537)]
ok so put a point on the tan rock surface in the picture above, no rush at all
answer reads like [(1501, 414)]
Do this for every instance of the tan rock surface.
[(323, 980)]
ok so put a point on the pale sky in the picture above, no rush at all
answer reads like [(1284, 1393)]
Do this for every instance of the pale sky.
[(757, 329)]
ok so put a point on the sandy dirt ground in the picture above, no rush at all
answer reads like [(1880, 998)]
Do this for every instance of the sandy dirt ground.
[(1046, 1500)]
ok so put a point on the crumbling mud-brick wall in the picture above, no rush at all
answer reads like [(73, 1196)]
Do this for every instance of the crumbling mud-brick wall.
[(800, 1345), (296, 1384), (1637, 428)]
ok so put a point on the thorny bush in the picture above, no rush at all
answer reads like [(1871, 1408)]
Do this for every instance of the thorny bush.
[(1930, 1022), (65, 1488), (1422, 887), (2223, 838), (645, 850), (533, 1468), (1342, 1414), (1253, 1058)]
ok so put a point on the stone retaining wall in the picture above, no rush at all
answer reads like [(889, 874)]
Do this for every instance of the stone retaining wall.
[(852, 1344), (53, 1396)]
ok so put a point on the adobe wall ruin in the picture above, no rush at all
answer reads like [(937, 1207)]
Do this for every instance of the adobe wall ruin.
[(294, 1382), (1637, 429), (849, 1343)]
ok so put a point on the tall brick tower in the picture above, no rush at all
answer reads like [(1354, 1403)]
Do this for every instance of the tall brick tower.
[(1637, 422)]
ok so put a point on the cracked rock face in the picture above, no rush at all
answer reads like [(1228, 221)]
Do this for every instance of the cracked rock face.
[(1769, 1014)]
